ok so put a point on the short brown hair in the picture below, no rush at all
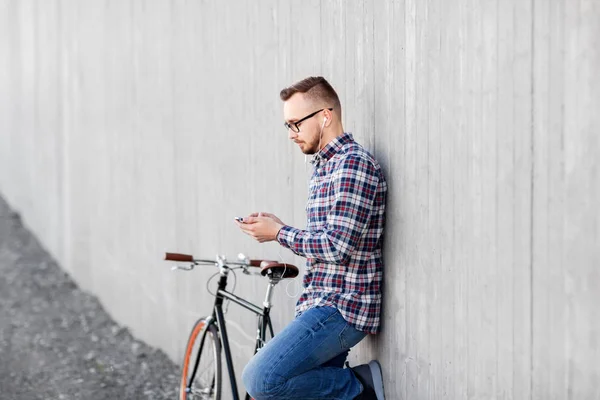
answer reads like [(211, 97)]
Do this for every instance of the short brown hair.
[(316, 88)]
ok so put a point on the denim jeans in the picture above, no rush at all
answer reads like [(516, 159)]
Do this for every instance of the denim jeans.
[(305, 360)]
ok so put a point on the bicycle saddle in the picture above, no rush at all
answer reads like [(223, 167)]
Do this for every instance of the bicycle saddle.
[(283, 269)]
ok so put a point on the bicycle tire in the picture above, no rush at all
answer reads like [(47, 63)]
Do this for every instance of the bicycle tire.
[(205, 338)]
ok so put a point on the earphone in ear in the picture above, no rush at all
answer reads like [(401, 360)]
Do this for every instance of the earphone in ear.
[(324, 122)]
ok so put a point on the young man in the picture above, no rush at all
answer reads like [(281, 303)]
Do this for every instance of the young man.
[(341, 300)]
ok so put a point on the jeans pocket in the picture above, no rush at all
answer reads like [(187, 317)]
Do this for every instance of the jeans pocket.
[(323, 315), (350, 336)]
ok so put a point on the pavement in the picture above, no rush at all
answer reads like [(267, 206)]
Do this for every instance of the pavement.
[(57, 342)]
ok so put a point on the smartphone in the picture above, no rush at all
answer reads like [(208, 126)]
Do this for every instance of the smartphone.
[(239, 219)]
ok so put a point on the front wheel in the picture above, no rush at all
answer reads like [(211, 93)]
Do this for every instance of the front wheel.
[(201, 370)]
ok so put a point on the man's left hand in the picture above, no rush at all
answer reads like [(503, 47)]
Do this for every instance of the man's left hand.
[(263, 229)]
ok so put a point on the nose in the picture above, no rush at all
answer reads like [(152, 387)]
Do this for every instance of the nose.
[(291, 134)]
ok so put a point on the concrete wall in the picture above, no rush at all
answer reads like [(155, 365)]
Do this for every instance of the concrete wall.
[(128, 128)]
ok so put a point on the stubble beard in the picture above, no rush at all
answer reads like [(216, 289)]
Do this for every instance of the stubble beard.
[(311, 148)]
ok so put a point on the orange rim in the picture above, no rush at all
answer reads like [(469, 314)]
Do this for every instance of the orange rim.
[(186, 360)]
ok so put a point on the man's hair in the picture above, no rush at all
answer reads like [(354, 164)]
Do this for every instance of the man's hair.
[(316, 89)]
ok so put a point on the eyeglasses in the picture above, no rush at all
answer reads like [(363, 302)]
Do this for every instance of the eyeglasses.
[(294, 125)]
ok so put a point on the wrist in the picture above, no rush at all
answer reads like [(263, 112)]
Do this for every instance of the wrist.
[(278, 230)]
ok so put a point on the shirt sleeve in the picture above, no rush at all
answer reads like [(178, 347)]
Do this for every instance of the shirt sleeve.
[(354, 184)]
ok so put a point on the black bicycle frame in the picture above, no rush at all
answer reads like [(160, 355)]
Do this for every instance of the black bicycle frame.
[(265, 321)]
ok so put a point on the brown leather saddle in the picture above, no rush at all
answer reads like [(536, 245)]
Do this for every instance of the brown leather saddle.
[(270, 267)]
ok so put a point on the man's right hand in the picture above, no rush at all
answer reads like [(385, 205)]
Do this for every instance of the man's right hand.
[(269, 215)]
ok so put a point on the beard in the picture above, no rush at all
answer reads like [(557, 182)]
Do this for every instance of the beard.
[(310, 148)]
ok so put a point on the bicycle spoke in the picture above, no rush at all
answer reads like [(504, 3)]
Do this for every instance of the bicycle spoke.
[(205, 393), (202, 384)]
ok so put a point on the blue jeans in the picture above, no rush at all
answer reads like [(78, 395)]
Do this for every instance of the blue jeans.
[(305, 360)]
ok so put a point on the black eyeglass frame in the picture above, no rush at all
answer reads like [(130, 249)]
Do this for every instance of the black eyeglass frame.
[(295, 124)]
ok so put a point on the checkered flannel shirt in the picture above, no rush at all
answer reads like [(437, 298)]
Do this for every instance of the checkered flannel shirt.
[(342, 242)]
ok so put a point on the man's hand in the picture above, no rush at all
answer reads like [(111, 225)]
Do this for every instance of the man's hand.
[(265, 214), (261, 226)]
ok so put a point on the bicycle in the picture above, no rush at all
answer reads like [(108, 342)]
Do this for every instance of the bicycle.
[(202, 379)]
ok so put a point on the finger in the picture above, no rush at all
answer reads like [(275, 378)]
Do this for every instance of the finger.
[(254, 214), (243, 227), (251, 220)]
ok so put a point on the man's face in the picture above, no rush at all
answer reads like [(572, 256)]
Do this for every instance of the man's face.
[(296, 108)]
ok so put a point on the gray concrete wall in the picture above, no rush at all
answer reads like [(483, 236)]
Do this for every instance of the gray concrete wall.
[(128, 128)]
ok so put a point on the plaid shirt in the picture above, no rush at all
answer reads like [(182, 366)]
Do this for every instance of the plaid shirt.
[(342, 242)]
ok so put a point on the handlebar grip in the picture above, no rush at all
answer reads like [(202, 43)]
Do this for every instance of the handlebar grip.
[(179, 257)]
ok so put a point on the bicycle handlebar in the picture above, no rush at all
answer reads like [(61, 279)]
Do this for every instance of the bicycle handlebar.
[(266, 267), (189, 258)]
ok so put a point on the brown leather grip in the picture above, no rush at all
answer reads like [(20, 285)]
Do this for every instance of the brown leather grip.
[(179, 257)]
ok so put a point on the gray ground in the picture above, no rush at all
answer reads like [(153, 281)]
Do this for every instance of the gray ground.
[(57, 342)]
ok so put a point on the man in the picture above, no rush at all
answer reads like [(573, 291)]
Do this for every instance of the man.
[(341, 300)]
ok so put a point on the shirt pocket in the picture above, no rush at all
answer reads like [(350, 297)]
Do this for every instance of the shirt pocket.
[(321, 204), (317, 205)]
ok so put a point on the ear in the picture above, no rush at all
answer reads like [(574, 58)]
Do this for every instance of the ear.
[(327, 117)]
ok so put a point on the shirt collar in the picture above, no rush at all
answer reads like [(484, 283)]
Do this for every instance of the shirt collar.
[(331, 149)]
